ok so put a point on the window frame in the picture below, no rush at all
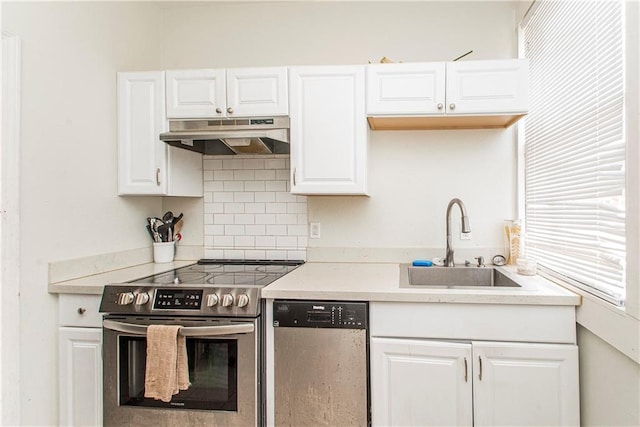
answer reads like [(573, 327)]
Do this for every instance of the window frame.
[(618, 326)]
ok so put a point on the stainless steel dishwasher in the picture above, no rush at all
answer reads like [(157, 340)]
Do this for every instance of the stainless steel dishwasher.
[(321, 363)]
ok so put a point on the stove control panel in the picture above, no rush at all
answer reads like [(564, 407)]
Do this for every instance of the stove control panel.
[(178, 299), (193, 301)]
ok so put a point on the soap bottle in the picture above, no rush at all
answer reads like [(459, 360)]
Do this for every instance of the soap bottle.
[(512, 230)]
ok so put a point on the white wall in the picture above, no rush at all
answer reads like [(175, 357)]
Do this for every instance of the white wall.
[(69, 207), (413, 175), (609, 384)]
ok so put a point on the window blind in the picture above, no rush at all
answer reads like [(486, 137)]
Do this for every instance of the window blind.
[(575, 144)]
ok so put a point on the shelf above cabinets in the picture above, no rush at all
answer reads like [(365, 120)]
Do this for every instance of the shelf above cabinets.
[(447, 95)]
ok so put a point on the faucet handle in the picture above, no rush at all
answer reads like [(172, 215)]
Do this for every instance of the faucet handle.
[(480, 260)]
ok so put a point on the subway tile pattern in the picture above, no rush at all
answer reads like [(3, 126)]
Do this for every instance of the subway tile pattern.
[(248, 210)]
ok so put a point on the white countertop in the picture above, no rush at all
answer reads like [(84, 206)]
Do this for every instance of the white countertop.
[(94, 284), (350, 282), (381, 282)]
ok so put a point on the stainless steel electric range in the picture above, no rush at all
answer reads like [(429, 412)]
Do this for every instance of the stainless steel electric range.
[(218, 305)]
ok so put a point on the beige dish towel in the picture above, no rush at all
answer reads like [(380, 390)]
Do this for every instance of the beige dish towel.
[(167, 370)]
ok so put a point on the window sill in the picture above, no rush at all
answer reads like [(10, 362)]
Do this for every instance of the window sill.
[(611, 323)]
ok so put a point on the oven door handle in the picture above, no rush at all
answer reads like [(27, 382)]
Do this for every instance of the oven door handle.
[(197, 331)]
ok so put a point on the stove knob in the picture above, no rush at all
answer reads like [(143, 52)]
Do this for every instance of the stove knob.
[(125, 298), (228, 300), (212, 300), (142, 298), (243, 300)]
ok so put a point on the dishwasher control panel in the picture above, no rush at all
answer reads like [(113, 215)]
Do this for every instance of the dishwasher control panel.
[(320, 314)]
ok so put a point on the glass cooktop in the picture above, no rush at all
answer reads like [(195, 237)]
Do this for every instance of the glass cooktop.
[(222, 272)]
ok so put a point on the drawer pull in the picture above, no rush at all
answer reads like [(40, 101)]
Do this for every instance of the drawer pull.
[(82, 310)]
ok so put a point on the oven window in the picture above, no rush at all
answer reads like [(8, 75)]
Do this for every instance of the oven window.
[(212, 372)]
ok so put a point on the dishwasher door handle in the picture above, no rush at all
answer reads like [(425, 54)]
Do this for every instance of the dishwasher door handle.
[(197, 331)]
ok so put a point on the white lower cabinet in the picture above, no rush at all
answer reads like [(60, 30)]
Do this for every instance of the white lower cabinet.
[(80, 360), (437, 364), (418, 382), (532, 384)]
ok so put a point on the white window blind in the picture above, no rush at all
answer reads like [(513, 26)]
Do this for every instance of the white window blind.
[(575, 144)]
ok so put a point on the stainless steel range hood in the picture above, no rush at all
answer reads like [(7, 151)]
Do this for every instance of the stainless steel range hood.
[(260, 135)]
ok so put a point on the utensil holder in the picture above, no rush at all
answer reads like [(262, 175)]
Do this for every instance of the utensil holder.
[(163, 251)]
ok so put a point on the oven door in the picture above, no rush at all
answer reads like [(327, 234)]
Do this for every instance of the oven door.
[(223, 371)]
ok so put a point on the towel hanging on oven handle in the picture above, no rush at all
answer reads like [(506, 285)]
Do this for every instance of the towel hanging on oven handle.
[(198, 331)]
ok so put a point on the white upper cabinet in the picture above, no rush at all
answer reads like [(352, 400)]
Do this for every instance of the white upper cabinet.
[(417, 88), (257, 92), (239, 92), (487, 87), (146, 165), (451, 95), (328, 130), (196, 94)]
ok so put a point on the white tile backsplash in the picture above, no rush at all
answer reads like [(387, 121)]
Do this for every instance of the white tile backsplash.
[(248, 210)]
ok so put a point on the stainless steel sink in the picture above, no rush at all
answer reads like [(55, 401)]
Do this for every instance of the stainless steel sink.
[(454, 277)]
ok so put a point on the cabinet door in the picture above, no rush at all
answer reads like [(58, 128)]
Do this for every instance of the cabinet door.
[(146, 165), (420, 383), (142, 162), (257, 92), (195, 94), (80, 352), (489, 87), (328, 130), (406, 89), (525, 384)]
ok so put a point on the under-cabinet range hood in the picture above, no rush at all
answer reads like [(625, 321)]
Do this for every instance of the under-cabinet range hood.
[(260, 135)]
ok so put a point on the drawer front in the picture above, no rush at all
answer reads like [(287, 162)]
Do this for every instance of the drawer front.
[(79, 310)]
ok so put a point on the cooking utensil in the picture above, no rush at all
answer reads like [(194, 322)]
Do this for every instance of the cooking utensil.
[(164, 230), (155, 224), (151, 233), (167, 217), (177, 219), (177, 227)]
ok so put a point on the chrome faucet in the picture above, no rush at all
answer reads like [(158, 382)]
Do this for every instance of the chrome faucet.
[(448, 260)]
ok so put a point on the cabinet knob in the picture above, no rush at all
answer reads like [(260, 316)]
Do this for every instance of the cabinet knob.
[(81, 310), (219, 110), (440, 106), (230, 110), (452, 106)]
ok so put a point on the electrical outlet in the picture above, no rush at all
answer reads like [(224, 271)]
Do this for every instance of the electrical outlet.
[(314, 230), (465, 236)]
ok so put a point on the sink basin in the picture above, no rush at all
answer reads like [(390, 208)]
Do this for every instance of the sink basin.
[(455, 277)]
